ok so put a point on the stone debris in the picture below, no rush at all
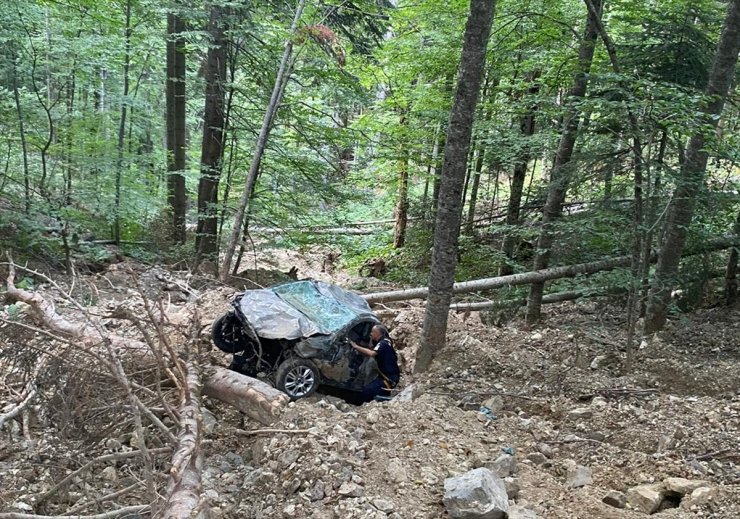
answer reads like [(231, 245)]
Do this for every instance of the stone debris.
[(556, 420), (646, 498), (577, 475), (616, 499), (477, 494)]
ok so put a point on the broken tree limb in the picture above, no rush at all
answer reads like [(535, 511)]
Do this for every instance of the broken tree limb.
[(184, 486), (129, 511), (539, 276), (255, 398), (15, 411), (102, 459), (252, 397)]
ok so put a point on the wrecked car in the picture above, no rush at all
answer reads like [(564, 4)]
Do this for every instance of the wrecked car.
[(298, 336)]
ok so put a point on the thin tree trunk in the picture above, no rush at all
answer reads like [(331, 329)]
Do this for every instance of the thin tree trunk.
[(560, 174), (638, 232), (401, 212), (436, 172), (652, 221), (731, 271), (122, 126), (22, 132), (176, 136), (449, 211), (691, 177), (477, 170), (212, 149), (283, 73), (513, 209)]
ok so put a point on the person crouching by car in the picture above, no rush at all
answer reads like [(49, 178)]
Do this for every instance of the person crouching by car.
[(381, 348)]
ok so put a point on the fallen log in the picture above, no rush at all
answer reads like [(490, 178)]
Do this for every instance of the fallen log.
[(184, 485), (525, 278), (539, 276), (557, 297)]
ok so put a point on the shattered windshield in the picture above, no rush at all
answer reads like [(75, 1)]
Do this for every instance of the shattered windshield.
[(301, 309)]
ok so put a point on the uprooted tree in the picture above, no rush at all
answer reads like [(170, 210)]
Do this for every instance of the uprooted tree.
[(146, 388)]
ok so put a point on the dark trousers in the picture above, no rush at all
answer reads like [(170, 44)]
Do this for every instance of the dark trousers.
[(375, 388)]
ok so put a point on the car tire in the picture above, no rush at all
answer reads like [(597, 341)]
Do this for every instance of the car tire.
[(228, 334), (297, 378)]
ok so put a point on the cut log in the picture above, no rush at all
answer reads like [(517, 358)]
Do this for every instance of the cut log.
[(538, 276), (252, 397)]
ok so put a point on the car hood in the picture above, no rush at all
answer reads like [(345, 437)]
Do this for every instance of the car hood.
[(301, 309)]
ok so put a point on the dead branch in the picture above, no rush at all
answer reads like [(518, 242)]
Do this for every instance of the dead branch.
[(127, 510), (18, 408), (184, 485), (102, 459), (253, 397), (257, 432), (103, 499)]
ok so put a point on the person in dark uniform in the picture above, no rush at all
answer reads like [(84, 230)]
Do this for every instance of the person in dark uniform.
[(381, 348)]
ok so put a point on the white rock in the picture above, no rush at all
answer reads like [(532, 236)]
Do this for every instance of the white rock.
[(477, 494), (683, 486), (348, 489), (578, 476), (645, 498), (383, 505)]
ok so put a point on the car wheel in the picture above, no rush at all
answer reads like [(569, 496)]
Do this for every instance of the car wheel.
[(298, 378), (228, 334)]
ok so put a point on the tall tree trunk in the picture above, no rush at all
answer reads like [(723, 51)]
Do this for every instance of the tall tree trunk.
[(122, 126), (401, 212), (176, 194), (691, 176), (449, 211), (731, 271), (212, 149), (519, 174), (281, 79), (560, 173), (638, 231), (22, 132)]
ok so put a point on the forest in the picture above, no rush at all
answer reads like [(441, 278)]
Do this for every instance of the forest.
[(564, 175)]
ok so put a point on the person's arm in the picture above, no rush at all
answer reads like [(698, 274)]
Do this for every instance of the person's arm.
[(367, 352)]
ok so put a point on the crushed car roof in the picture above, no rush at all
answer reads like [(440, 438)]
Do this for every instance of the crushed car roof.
[(301, 309)]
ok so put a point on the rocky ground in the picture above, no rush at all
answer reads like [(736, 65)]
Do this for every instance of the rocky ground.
[(547, 408)]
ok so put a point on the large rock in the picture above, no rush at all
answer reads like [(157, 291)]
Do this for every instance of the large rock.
[(477, 494), (682, 486), (645, 498)]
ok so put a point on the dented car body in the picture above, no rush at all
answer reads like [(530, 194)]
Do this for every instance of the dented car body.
[(298, 334)]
